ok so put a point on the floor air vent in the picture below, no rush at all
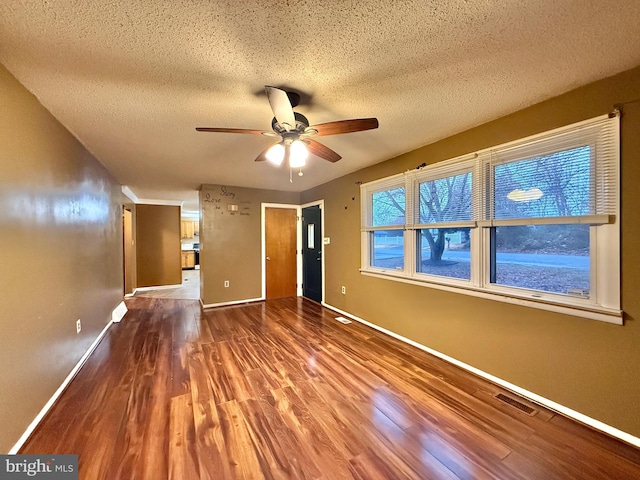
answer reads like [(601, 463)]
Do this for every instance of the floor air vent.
[(343, 320), (516, 404)]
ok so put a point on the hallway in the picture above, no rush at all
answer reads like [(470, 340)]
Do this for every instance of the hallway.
[(190, 289)]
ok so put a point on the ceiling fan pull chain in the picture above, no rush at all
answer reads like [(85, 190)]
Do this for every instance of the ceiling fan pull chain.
[(290, 175)]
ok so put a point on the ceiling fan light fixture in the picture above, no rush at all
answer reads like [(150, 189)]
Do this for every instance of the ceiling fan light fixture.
[(275, 154), (295, 131), (298, 154)]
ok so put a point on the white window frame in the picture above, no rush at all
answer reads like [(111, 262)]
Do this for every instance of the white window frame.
[(368, 229), (440, 171), (604, 297)]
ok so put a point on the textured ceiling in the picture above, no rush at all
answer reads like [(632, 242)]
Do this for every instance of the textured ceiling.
[(131, 79)]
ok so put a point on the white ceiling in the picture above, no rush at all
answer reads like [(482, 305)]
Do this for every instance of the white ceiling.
[(131, 79)]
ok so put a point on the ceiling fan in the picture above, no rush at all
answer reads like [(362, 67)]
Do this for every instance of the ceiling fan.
[(295, 131)]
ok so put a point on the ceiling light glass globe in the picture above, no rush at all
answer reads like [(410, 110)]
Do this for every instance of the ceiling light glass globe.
[(298, 154), (275, 154)]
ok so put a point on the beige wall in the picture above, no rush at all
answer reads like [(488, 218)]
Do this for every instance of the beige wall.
[(230, 243), (586, 365), (158, 245), (60, 255)]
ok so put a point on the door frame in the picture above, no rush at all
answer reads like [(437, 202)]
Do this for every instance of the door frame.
[(129, 278), (322, 237), (263, 242)]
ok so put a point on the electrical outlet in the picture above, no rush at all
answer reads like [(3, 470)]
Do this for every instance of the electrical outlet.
[(78, 326), (226, 284), (344, 290)]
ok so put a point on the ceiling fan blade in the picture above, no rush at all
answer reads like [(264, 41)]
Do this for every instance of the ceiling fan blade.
[(321, 151), (281, 106), (346, 126), (229, 130)]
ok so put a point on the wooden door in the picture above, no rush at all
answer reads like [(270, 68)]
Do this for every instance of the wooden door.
[(280, 248)]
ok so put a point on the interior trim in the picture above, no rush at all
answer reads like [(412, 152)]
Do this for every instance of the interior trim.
[(234, 302), (534, 397), (155, 287), (263, 241)]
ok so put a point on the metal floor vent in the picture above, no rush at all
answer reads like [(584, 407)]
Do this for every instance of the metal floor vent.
[(516, 404), (343, 320)]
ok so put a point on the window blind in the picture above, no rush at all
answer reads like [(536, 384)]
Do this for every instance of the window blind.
[(384, 204), (557, 177), (446, 196)]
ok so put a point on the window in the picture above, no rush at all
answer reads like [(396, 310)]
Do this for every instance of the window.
[(548, 258), (384, 225), (445, 211), (388, 249), (438, 256), (554, 257), (534, 222)]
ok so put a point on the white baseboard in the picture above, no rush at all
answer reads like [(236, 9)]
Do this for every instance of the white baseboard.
[(156, 287), (568, 412), (235, 302), (32, 426)]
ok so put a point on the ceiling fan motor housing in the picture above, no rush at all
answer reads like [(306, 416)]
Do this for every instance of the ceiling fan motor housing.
[(294, 99), (301, 124)]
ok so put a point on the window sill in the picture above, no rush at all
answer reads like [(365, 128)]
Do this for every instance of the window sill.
[(592, 312)]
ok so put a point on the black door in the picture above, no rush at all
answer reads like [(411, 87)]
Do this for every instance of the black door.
[(312, 253)]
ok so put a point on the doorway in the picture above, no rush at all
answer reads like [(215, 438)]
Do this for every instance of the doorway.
[(128, 257), (312, 252), (280, 236)]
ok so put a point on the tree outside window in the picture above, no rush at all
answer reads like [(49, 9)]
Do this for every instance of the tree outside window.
[(444, 200)]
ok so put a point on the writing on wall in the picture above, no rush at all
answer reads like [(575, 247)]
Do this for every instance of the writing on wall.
[(225, 201)]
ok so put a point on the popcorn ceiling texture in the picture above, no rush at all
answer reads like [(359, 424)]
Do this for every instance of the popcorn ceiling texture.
[(132, 79)]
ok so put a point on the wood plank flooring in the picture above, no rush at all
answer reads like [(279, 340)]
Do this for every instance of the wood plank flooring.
[(280, 389)]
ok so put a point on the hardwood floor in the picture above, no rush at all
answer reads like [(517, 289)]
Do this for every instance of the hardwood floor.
[(280, 389)]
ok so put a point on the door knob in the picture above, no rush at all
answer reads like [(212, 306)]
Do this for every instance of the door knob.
[(268, 258)]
